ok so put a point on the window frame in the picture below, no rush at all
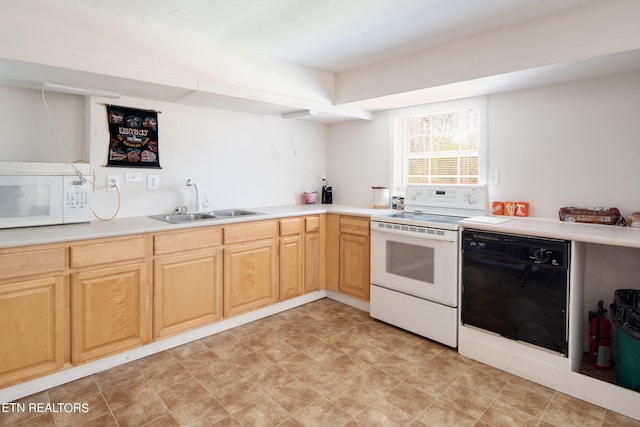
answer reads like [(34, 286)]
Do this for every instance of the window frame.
[(398, 157)]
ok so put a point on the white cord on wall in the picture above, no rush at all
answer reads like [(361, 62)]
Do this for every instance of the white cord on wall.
[(59, 138), (82, 178), (113, 185)]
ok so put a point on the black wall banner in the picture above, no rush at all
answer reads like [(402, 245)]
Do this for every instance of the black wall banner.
[(133, 137)]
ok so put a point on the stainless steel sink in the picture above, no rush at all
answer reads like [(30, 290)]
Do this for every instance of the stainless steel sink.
[(182, 218), (179, 218), (233, 212)]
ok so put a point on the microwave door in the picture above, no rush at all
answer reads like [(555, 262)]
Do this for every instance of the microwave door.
[(30, 200)]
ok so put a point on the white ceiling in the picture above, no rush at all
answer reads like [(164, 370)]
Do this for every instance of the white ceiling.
[(332, 36), (329, 35)]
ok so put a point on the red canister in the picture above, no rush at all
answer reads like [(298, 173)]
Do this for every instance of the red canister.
[(522, 209), (599, 338), (497, 208)]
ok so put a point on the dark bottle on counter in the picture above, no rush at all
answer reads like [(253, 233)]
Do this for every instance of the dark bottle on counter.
[(327, 194)]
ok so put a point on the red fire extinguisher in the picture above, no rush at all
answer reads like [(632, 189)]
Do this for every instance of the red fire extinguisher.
[(599, 338)]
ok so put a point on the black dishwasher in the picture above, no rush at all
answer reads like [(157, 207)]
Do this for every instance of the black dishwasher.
[(517, 287)]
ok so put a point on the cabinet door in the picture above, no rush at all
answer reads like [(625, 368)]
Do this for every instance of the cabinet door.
[(354, 265), (31, 329), (187, 292), (332, 253), (311, 262), (109, 311), (291, 266), (250, 277)]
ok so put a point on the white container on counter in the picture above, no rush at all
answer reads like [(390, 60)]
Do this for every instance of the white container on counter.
[(380, 197)]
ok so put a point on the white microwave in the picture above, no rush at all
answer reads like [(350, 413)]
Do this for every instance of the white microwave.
[(44, 193)]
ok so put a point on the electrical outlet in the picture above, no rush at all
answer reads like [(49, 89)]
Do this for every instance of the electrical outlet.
[(494, 177), (111, 181), (153, 181)]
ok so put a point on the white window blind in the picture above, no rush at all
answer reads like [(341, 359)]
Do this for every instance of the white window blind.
[(440, 147)]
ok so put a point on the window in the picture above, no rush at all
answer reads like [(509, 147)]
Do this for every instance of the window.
[(439, 144)]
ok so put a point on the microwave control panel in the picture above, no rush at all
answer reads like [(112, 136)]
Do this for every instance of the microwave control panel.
[(77, 200)]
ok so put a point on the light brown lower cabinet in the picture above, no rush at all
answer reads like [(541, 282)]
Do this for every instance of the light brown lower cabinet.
[(312, 254), (347, 259), (31, 329), (354, 256), (291, 257), (109, 311), (291, 266), (250, 276), (300, 251), (187, 292), (354, 265), (75, 302)]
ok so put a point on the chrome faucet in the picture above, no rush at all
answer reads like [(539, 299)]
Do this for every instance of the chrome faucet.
[(199, 203)]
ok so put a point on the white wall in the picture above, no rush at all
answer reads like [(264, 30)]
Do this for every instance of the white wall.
[(573, 144), (359, 158), (568, 145), (29, 135), (237, 159)]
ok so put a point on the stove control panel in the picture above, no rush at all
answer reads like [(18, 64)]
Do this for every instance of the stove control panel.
[(422, 197)]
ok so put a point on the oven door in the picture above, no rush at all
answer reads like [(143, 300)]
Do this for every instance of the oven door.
[(415, 261)]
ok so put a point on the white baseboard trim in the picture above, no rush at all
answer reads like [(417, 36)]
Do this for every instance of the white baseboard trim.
[(37, 385), (348, 300)]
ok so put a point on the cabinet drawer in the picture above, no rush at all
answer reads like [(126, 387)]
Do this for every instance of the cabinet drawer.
[(199, 238), (107, 252), (250, 231), (17, 264), (291, 226), (354, 225), (312, 223)]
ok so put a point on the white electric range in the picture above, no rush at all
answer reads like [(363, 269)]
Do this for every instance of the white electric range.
[(414, 259)]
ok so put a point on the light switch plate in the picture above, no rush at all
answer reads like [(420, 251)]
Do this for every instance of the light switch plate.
[(133, 177), (153, 181), (494, 177)]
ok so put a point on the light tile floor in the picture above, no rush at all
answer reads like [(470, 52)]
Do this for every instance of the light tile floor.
[(321, 364)]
